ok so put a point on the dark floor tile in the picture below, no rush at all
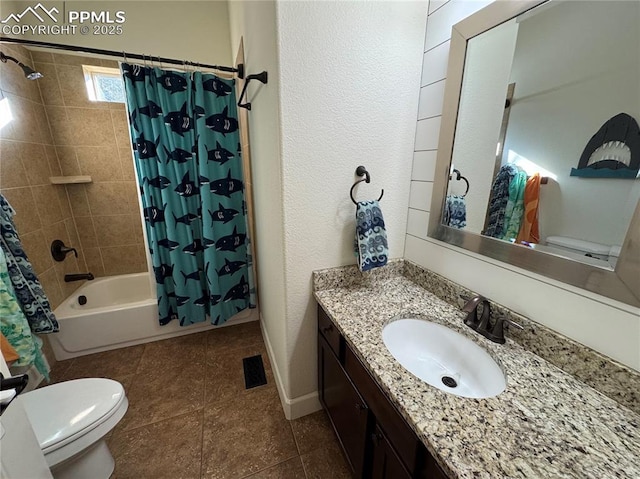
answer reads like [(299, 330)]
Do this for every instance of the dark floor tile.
[(224, 377), (58, 372), (115, 364), (183, 351), (169, 449), (222, 341), (156, 395), (326, 463), (313, 432), (291, 469), (246, 436)]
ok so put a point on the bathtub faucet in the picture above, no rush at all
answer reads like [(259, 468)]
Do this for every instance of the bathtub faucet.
[(68, 278)]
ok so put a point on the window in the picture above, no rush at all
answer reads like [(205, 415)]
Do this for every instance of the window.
[(104, 84)]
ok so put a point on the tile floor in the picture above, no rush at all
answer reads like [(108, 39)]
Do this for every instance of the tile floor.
[(190, 415)]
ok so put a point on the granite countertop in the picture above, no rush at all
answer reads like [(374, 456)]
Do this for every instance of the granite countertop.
[(546, 424)]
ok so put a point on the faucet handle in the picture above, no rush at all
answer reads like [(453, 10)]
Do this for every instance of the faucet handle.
[(514, 324)]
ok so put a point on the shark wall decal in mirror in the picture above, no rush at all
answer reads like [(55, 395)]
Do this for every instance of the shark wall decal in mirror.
[(613, 152), (562, 93)]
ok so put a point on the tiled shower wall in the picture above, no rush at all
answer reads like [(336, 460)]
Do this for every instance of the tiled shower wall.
[(91, 138), (27, 160)]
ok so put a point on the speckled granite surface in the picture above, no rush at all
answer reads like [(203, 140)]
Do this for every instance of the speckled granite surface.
[(545, 424)]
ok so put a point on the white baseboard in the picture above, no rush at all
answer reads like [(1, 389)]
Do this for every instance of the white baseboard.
[(296, 407)]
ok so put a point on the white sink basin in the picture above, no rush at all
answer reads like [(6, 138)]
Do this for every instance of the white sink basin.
[(443, 358)]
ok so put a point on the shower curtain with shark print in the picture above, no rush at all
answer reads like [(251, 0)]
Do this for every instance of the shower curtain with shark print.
[(185, 137)]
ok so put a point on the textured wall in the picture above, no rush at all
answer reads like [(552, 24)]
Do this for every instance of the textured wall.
[(605, 325), (27, 160), (349, 74), (256, 22), (92, 138)]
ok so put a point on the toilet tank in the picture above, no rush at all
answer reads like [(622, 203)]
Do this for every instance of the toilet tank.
[(581, 247)]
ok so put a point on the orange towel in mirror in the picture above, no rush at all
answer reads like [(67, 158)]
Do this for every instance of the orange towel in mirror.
[(529, 231), (10, 354)]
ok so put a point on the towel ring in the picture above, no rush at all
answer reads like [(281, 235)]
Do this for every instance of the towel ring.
[(460, 177), (362, 171)]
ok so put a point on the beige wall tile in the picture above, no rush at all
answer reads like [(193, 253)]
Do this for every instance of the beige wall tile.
[(109, 63), (51, 287), (63, 199), (102, 163), (73, 87), (59, 125), (43, 124), (44, 57), (37, 250), (130, 189), (68, 160), (62, 59), (54, 164), (72, 233), (122, 260), (121, 128), (109, 198), (21, 127), (47, 204), (26, 218), (12, 172), (78, 200), (49, 86), (114, 230), (126, 161), (86, 232), (93, 258), (36, 164), (91, 127)]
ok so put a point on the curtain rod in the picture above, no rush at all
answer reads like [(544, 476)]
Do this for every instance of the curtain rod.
[(124, 55)]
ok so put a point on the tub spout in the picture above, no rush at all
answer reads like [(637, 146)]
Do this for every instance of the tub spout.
[(68, 278)]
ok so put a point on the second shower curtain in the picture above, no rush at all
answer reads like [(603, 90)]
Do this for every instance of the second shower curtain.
[(187, 154)]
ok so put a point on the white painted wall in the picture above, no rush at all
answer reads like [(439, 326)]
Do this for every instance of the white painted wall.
[(256, 23), (346, 78), (603, 324), (189, 30), (484, 89), (350, 73), (564, 95)]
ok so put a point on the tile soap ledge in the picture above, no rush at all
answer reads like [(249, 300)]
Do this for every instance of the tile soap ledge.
[(69, 180)]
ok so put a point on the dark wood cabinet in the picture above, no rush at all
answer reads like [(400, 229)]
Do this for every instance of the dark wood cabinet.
[(385, 463), (346, 409), (376, 439)]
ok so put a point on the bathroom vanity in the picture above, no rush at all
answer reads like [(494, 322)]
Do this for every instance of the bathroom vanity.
[(546, 423)]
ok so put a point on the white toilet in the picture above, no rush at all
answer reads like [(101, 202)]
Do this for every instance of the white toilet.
[(70, 420)]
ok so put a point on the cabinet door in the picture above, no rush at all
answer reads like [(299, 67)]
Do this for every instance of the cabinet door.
[(346, 409), (385, 463)]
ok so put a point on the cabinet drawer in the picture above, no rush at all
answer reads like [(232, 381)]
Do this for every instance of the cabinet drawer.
[(405, 441), (330, 333)]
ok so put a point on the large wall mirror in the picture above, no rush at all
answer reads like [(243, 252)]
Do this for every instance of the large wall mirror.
[(539, 145)]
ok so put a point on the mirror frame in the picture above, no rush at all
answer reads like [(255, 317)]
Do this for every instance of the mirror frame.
[(621, 284)]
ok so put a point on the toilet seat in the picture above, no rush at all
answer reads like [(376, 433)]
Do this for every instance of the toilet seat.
[(74, 414)]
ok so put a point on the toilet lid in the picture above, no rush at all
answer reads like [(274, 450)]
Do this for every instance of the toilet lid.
[(60, 411)]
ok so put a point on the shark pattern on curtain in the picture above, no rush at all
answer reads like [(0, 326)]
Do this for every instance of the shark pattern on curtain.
[(185, 136)]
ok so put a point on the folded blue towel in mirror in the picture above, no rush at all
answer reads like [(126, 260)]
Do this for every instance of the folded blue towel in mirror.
[(455, 212), (371, 246)]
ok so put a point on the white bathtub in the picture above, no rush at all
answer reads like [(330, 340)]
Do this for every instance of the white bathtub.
[(120, 311)]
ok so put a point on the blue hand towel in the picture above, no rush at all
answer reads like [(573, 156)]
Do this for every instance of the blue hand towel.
[(372, 250), (455, 212)]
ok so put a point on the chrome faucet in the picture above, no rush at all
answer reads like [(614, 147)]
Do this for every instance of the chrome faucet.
[(493, 332)]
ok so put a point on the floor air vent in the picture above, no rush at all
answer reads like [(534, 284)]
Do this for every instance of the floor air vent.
[(254, 374)]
